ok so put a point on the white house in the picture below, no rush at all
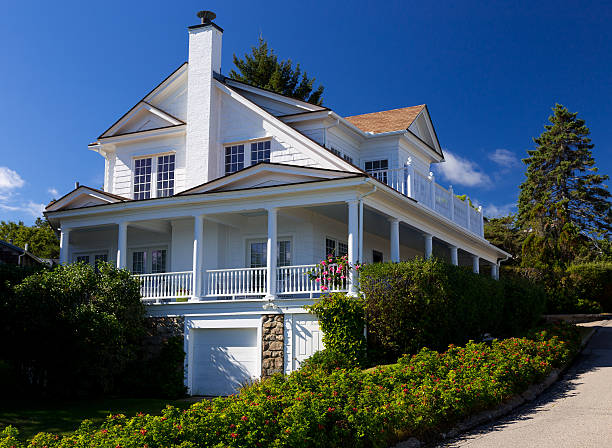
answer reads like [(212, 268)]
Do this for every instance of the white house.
[(221, 196)]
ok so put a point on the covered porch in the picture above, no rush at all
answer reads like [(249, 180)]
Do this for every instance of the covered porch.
[(257, 253)]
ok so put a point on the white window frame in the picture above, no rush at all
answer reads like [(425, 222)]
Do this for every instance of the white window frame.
[(91, 254), (148, 249), (250, 241), (337, 242), (384, 176), (154, 166), (247, 151)]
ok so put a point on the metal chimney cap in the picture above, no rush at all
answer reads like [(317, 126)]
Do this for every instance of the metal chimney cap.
[(207, 16)]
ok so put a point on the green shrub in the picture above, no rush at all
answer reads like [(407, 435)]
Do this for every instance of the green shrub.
[(328, 360), (73, 330), (341, 318), (593, 282), (420, 396), (429, 303)]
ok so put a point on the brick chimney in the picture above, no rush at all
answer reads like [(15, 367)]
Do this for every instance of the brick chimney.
[(203, 155)]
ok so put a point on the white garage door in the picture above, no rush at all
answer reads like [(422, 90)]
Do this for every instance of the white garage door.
[(223, 360), (306, 338)]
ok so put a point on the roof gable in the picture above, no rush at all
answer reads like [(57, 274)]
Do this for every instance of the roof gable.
[(83, 196), (267, 175)]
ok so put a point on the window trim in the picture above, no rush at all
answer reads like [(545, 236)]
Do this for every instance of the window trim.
[(149, 248), (247, 151), (249, 240), (154, 165), (92, 255), (337, 242)]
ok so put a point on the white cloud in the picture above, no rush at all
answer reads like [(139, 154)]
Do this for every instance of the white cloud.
[(504, 158), (9, 179), (496, 211), (30, 207), (462, 171), (53, 192)]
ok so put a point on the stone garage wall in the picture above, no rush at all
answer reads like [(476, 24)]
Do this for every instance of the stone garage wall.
[(273, 344)]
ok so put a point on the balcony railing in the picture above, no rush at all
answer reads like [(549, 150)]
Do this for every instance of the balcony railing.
[(297, 280), (426, 191), (236, 283), (166, 286)]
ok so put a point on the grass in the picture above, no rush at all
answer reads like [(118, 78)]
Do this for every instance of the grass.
[(31, 417)]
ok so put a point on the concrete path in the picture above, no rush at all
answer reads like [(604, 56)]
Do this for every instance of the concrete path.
[(574, 412)]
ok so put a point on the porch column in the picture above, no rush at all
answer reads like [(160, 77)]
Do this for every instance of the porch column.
[(395, 246), (475, 264), (198, 240), (495, 271), (271, 253), (64, 245), (353, 236), (428, 245), (454, 255), (122, 245)]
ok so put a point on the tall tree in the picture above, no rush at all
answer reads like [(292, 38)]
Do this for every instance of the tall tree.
[(263, 69), (40, 237), (504, 233), (563, 188)]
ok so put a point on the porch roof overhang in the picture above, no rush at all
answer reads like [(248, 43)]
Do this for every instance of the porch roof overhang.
[(381, 197)]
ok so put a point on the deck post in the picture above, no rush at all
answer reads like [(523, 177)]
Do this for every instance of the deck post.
[(64, 245), (353, 220), (122, 245), (271, 254), (198, 240), (475, 264), (454, 255), (395, 245), (495, 271), (428, 245)]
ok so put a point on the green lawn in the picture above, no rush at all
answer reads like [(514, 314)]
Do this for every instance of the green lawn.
[(32, 417)]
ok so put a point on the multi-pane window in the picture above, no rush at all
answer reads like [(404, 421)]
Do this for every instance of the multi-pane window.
[(165, 176), (348, 158), (139, 262), (377, 256), (258, 253), (260, 152), (98, 258), (335, 151), (158, 261), (82, 259), (234, 158), (377, 169), (142, 178), (335, 247)]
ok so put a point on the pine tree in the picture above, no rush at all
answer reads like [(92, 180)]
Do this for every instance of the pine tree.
[(262, 69), (563, 193), (503, 233)]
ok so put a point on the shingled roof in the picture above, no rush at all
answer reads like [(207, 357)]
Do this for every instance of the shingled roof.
[(386, 120)]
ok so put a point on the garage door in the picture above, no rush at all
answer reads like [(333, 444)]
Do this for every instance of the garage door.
[(223, 360)]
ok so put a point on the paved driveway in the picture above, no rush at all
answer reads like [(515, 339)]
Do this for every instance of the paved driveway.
[(575, 412)]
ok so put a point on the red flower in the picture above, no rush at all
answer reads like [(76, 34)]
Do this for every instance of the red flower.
[(244, 418), (234, 435), (143, 431)]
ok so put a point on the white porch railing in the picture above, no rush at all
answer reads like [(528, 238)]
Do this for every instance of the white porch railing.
[(426, 191), (236, 282), (166, 285), (296, 280)]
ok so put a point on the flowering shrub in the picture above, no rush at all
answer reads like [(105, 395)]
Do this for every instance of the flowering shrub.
[(420, 395), (332, 272)]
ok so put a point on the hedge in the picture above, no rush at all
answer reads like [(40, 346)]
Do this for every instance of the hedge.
[(429, 303), (419, 396)]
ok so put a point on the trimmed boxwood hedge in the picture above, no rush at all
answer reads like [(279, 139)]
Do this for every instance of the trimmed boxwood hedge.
[(419, 396), (430, 303)]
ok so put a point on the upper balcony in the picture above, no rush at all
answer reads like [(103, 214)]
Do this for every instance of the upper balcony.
[(432, 195)]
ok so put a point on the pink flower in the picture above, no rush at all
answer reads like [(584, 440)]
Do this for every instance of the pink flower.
[(318, 279), (325, 272), (342, 277), (323, 262), (324, 288)]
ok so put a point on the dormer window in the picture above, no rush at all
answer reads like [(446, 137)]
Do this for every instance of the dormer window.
[(260, 152), (160, 168), (234, 158)]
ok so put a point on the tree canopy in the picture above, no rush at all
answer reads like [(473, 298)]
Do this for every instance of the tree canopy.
[(40, 237), (262, 69), (563, 188)]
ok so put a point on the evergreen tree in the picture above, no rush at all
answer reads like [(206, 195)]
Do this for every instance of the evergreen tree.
[(563, 194), (504, 233), (263, 69)]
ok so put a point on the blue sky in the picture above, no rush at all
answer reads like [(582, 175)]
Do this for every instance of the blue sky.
[(488, 71)]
